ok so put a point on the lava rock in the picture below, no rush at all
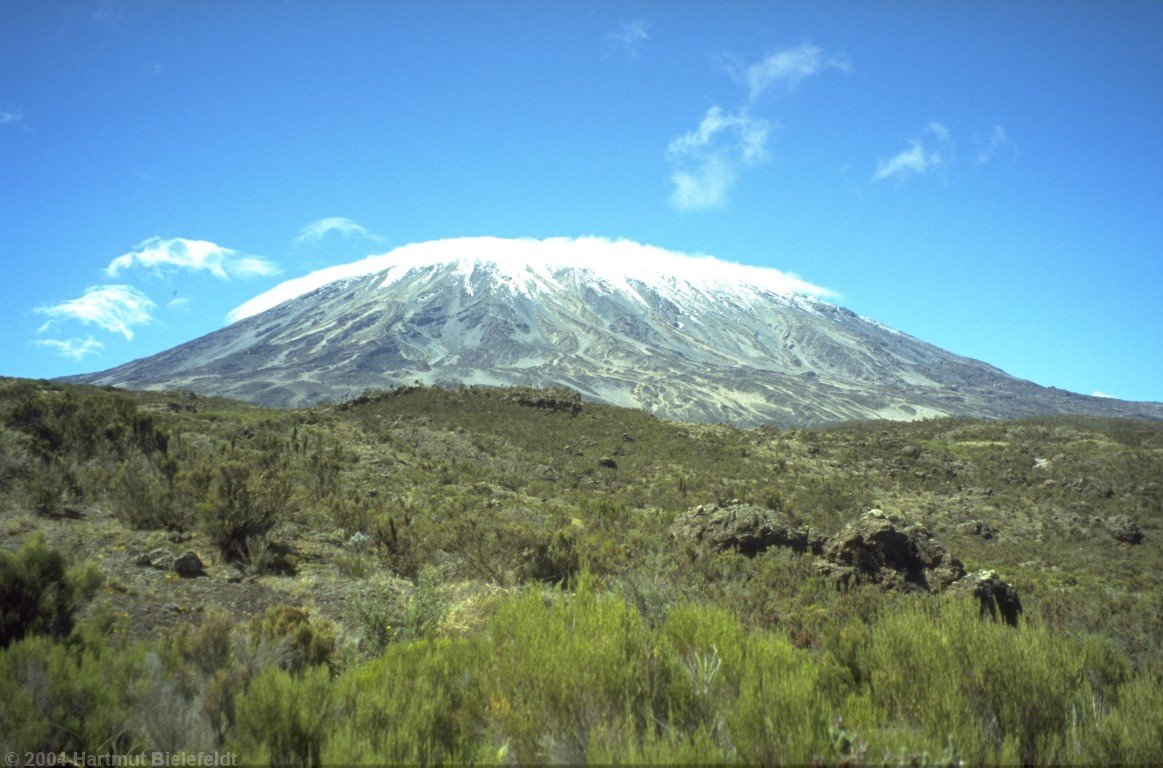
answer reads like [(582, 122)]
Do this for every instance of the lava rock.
[(880, 548), (559, 399), (189, 565), (1125, 529), (159, 558), (979, 528), (744, 528)]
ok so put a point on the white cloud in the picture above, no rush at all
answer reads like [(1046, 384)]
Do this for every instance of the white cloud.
[(915, 159), (789, 67), (752, 135), (1096, 393), (939, 130), (72, 348), (116, 308), (704, 187), (193, 255), (707, 159), (627, 36), (341, 225), (918, 158), (7, 117), (997, 139)]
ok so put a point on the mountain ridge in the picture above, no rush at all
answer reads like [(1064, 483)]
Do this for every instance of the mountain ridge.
[(688, 338)]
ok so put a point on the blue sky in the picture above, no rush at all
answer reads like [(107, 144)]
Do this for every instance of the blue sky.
[(985, 176)]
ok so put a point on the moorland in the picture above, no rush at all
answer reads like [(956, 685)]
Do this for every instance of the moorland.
[(509, 576)]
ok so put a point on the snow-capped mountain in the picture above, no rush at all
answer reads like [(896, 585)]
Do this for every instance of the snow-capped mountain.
[(687, 337)]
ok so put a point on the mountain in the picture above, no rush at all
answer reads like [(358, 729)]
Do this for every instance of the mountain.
[(687, 337)]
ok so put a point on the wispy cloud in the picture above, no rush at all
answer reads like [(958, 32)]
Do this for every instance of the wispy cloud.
[(707, 160), (703, 187), (1097, 393), (627, 37), (8, 117), (116, 308), (919, 158), (178, 253), (788, 67), (340, 225), (997, 140), (75, 349)]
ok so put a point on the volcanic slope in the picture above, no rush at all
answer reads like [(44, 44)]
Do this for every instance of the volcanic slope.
[(685, 337)]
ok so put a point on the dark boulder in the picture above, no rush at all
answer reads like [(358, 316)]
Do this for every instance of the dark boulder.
[(879, 548), (745, 528), (1124, 529), (189, 565)]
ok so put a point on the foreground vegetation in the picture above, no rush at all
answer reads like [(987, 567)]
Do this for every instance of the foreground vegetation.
[(488, 576)]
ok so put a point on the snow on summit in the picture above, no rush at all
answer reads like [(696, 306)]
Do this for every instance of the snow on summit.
[(529, 265)]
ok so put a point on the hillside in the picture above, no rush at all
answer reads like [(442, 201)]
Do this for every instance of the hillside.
[(505, 570)]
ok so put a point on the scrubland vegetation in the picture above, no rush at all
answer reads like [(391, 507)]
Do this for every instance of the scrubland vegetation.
[(488, 576)]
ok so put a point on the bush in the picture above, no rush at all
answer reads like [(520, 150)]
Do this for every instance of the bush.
[(570, 676), (302, 643), (241, 509), (52, 488), (75, 697), (1133, 733), (999, 694), (15, 457), (284, 720), (143, 499), (420, 703), (38, 595), (751, 693)]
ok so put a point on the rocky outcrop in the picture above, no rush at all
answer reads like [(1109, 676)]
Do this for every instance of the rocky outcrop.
[(1125, 529), (186, 565), (552, 399), (189, 565), (979, 528), (159, 558), (879, 548), (745, 528)]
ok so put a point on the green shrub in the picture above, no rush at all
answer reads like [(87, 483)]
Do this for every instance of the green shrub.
[(1000, 694), (38, 594), (284, 720), (51, 488), (242, 508), (57, 697), (420, 703), (555, 560), (570, 676), (302, 642), (1132, 734), (207, 646), (753, 693), (143, 497), (15, 457)]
